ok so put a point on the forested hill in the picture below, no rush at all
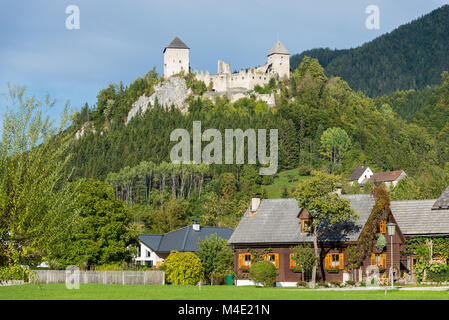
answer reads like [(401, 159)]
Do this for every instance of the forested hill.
[(410, 57)]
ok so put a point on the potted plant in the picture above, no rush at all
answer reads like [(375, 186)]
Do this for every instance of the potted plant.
[(333, 269), (244, 268), (381, 268), (296, 269)]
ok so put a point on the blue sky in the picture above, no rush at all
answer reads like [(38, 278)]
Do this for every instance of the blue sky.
[(122, 40)]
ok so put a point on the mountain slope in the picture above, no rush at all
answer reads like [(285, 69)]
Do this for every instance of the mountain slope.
[(410, 57)]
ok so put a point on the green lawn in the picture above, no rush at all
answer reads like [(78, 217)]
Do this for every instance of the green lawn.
[(171, 292), (283, 179)]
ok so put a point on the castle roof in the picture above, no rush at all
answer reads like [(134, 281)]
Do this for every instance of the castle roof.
[(177, 43), (278, 48)]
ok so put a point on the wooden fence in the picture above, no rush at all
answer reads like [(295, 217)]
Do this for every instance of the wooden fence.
[(102, 277)]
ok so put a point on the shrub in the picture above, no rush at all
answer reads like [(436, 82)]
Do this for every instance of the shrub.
[(183, 268), (322, 284), (437, 272), (301, 284), (350, 282), (381, 242), (263, 272), (216, 257), (16, 272), (267, 180), (304, 170), (335, 283)]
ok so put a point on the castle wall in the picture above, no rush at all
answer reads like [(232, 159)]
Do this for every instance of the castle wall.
[(175, 61), (243, 79)]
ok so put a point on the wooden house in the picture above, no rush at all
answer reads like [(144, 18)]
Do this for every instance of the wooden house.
[(271, 227)]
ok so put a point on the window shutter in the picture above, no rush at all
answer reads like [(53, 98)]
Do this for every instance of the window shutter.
[(276, 260), (326, 260), (383, 259), (292, 262), (241, 260), (341, 261), (373, 259), (383, 227)]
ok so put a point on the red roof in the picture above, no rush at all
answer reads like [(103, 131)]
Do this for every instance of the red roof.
[(385, 176)]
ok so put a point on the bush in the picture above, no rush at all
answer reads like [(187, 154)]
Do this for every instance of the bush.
[(267, 180), (322, 284), (301, 284), (304, 170), (16, 272), (216, 257), (217, 278), (437, 273), (350, 282), (335, 283), (263, 272), (183, 268)]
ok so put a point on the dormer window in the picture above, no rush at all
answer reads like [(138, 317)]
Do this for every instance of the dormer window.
[(381, 227), (306, 225)]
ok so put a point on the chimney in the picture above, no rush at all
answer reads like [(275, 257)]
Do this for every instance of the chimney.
[(255, 203), (196, 226)]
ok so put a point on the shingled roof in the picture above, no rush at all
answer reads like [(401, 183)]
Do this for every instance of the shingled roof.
[(443, 201), (416, 217), (184, 239), (278, 48), (386, 176), (357, 173), (276, 221), (177, 43)]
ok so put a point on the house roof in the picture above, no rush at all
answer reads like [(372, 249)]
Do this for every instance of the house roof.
[(278, 48), (183, 239), (386, 176), (276, 221), (443, 201), (177, 43), (416, 217), (357, 173)]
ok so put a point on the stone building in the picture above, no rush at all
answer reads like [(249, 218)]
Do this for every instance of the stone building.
[(176, 60)]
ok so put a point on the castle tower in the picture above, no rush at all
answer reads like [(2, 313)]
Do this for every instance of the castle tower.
[(176, 58), (279, 58)]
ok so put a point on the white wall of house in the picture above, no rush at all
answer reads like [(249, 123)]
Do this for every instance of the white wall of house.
[(365, 176), (148, 256)]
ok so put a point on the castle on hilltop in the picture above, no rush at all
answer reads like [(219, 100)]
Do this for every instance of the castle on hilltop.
[(176, 60)]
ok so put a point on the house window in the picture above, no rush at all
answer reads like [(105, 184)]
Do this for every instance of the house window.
[(179, 61), (306, 225), (245, 260), (381, 227), (273, 258), (334, 261), (148, 253), (379, 259)]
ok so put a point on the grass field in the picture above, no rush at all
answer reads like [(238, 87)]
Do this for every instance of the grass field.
[(171, 292), (288, 178)]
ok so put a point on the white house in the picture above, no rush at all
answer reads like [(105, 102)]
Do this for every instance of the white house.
[(361, 175), (155, 248)]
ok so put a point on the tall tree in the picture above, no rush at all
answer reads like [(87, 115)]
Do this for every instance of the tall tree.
[(317, 195), (31, 161)]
